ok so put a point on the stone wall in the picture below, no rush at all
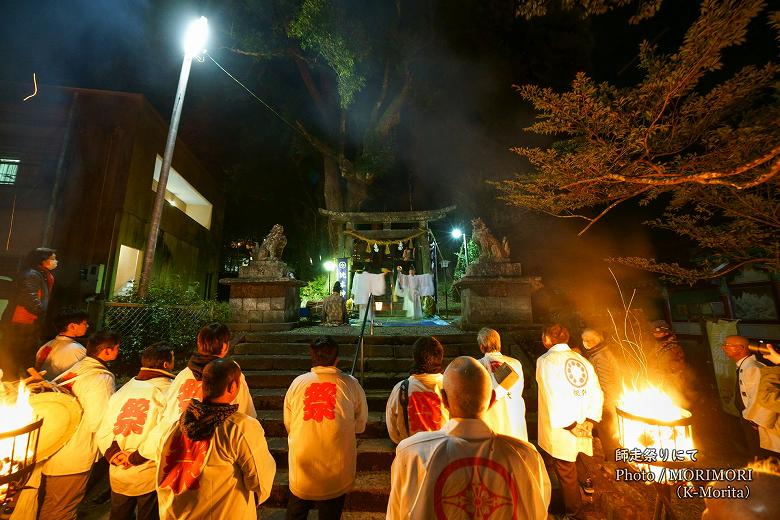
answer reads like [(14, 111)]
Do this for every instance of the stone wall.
[(254, 301)]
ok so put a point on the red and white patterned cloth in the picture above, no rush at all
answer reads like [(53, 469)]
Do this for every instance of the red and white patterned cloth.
[(425, 410), (323, 411), (466, 471), (218, 477), (131, 417), (186, 387), (59, 355)]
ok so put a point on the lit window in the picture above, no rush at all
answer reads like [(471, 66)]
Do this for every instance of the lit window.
[(182, 195), (8, 168)]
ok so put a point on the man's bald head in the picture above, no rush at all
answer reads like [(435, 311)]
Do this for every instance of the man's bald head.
[(467, 388), (736, 347)]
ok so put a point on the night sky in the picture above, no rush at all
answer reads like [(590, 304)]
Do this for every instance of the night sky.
[(455, 132)]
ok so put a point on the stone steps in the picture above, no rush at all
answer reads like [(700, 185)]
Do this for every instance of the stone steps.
[(271, 361), (283, 378), (273, 398), (351, 339), (273, 424), (370, 493), (257, 362), (372, 454), (347, 350)]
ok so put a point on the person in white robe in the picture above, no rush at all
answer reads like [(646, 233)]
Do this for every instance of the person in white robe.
[(363, 286), (466, 470), (408, 287), (507, 415), (415, 404), (126, 436), (323, 411), (570, 402), (760, 425), (58, 355), (214, 462), (66, 473), (213, 342)]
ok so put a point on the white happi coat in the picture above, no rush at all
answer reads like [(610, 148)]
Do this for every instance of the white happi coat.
[(507, 415), (185, 387), (131, 418), (92, 384), (323, 410), (217, 478), (569, 392), (425, 409), (749, 370), (466, 471), (58, 355), (767, 420)]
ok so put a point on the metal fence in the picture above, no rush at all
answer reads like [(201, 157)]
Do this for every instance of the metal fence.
[(141, 325), (127, 318)]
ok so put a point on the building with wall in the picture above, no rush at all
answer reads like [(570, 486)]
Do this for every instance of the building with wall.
[(77, 173)]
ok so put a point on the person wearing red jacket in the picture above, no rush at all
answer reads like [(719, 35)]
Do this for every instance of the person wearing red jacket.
[(26, 312)]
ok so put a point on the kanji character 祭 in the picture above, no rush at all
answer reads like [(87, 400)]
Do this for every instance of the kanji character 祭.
[(319, 402), (132, 417), (191, 389)]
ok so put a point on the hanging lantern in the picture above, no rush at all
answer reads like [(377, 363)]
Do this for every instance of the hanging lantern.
[(376, 248), (400, 246)]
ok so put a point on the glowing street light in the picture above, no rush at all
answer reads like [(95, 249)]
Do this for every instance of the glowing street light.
[(329, 266), (456, 234), (194, 45)]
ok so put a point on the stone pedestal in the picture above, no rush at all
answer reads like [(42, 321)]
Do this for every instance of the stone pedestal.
[(264, 293), (494, 294)]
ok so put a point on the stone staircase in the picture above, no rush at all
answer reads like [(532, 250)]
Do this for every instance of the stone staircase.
[(270, 361)]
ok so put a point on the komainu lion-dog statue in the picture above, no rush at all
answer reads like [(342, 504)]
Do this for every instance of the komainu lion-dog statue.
[(491, 249), (272, 246)]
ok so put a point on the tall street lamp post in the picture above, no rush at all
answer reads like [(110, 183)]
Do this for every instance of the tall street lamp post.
[(194, 43)]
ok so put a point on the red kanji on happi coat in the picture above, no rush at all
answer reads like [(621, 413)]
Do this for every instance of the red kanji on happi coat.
[(495, 365), (190, 390), (184, 463), (132, 417), (424, 412), (319, 402)]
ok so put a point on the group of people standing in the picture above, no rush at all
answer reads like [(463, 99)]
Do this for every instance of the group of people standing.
[(463, 447), (190, 445)]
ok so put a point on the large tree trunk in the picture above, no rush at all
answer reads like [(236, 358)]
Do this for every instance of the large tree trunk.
[(357, 193), (334, 200)]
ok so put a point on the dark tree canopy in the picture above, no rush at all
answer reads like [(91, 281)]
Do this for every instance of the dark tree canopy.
[(354, 60), (699, 137)]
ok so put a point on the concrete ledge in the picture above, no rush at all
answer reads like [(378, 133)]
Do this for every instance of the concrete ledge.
[(262, 327)]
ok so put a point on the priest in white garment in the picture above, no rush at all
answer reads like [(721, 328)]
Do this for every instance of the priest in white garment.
[(408, 287)]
